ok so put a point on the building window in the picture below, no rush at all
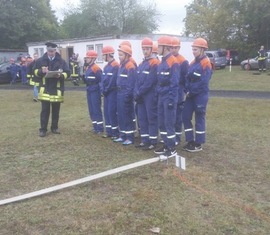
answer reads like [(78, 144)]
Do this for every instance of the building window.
[(89, 47), (99, 52), (39, 51)]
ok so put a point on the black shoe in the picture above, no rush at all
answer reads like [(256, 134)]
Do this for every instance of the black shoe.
[(194, 147), (56, 131), (170, 152), (149, 147), (42, 133), (161, 150), (188, 145)]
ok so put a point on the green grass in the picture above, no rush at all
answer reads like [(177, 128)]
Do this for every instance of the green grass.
[(225, 189), (239, 79)]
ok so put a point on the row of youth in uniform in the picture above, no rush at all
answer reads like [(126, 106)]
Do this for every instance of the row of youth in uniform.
[(162, 95)]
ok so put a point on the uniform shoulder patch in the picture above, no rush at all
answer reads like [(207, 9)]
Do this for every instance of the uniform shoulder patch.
[(95, 68), (154, 61), (171, 60)]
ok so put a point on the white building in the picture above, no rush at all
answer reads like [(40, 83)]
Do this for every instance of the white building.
[(81, 45)]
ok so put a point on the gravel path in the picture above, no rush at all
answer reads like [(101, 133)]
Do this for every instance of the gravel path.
[(213, 93)]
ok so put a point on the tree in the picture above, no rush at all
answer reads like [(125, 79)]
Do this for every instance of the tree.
[(23, 21), (106, 17), (238, 24)]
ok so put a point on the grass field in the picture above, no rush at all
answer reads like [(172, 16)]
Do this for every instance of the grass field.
[(239, 79), (224, 190)]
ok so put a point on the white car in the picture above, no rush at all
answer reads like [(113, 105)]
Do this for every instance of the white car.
[(252, 64)]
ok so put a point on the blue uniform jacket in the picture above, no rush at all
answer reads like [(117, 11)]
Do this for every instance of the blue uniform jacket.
[(93, 77), (109, 77), (199, 75), (168, 77), (13, 68), (183, 70), (126, 78), (147, 77)]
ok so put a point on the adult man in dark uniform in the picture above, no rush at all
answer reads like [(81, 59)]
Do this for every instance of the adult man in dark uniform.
[(51, 92), (262, 56)]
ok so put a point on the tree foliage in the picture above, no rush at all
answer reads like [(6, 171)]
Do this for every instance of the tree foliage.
[(23, 21), (105, 17), (239, 24)]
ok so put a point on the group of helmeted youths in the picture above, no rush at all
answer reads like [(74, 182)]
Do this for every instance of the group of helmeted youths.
[(162, 95)]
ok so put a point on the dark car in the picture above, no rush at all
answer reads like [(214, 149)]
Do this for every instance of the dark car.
[(217, 58), (5, 76), (232, 57)]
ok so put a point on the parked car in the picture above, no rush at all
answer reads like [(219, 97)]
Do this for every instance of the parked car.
[(5, 76), (217, 58), (232, 56), (252, 64)]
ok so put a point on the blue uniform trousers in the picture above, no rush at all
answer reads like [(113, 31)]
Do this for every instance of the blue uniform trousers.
[(94, 108), (195, 104), (125, 112), (166, 120), (148, 118), (110, 114), (179, 121)]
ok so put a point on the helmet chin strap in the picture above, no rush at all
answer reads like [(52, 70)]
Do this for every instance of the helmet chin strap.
[(201, 53)]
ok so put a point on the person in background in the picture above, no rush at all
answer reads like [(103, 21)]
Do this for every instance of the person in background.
[(33, 80), (146, 98), (23, 64), (125, 104), (197, 94), (183, 69), (51, 90), (92, 80), (262, 56), (75, 69), (14, 70), (109, 91), (167, 88)]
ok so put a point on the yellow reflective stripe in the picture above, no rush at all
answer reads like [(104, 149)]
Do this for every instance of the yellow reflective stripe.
[(65, 75), (36, 72), (31, 82), (50, 98), (41, 90), (58, 84)]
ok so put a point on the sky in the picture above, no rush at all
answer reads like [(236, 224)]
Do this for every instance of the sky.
[(171, 22)]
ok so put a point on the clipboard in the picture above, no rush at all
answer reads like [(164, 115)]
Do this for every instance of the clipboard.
[(52, 74)]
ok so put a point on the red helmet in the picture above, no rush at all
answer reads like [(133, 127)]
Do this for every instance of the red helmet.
[(125, 43), (91, 54), (126, 49), (107, 50), (147, 42), (200, 42), (165, 41), (155, 47), (176, 42)]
